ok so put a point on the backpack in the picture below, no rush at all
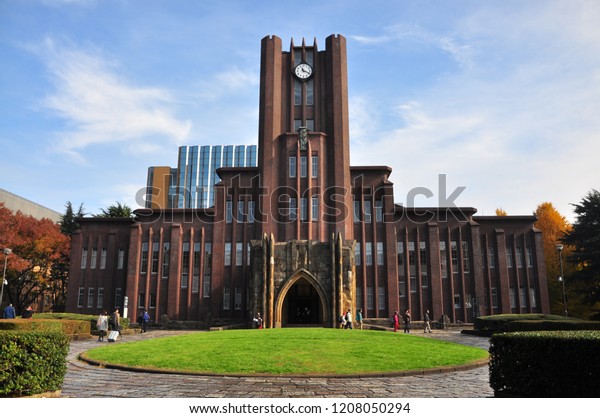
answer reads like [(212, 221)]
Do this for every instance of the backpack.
[(392, 320), (341, 319)]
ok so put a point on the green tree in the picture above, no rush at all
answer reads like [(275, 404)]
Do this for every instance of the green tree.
[(585, 239), (68, 222), (116, 211)]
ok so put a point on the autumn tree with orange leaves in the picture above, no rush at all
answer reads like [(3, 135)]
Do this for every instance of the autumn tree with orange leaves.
[(36, 244)]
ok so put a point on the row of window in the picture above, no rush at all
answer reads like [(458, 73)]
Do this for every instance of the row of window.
[(245, 211), (314, 168), (95, 297), (369, 253), (366, 215), (491, 257), (381, 297), (94, 258)]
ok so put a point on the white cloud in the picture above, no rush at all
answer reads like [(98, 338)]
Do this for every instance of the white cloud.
[(517, 127), (100, 107)]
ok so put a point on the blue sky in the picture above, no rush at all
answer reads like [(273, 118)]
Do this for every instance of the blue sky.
[(500, 96)]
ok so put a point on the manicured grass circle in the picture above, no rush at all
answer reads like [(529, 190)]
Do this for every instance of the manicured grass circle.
[(289, 351)]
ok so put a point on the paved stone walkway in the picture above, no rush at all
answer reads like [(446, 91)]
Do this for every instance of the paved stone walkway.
[(86, 381)]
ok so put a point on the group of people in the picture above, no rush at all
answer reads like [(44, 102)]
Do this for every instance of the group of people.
[(10, 313), (106, 323), (345, 320), (406, 318)]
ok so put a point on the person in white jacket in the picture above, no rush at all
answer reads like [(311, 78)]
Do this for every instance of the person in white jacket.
[(102, 325)]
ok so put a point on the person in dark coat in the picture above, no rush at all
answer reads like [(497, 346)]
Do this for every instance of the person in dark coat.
[(9, 312)]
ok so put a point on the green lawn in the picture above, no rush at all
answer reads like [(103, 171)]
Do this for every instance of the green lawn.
[(288, 351)]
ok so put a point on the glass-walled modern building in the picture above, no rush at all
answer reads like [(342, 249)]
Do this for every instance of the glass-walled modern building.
[(191, 184)]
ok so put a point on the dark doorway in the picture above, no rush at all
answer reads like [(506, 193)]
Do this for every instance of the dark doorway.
[(302, 305)]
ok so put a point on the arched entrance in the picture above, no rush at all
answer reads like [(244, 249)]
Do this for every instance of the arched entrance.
[(301, 306), (301, 302)]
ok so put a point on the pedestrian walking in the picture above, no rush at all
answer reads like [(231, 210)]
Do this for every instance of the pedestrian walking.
[(102, 325), (348, 320), (427, 320), (359, 319), (406, 319), (9, 312)]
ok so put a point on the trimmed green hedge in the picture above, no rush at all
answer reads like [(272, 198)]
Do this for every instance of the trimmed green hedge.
[(32, 362), (531, 322), (66, 326), (545, 364)]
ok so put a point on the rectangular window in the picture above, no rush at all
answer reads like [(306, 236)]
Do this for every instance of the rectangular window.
[(519, 256), (90, 301), (381, 297), (251, 211), (357, 255), (509, 257), (239, 248), (532, 299), (423, 259), (94, 257), (293, 209), (152, 303), (100, 299), (356, 211), (80, 296), (248, 254), (379, 211), (380, 253), (196, 271), (141, 300), (227, 253), (165, 259), (443, 259), (315, 167), (522, 297), (369, 253), (454, 255), (238, 298), (144, 260), (297, 92), (303, 167), (207, 269), (412, 264), (401, 259), (402, 287), (118, 297), (303, 208), (314, 212), (466, 259), (310, 92), (185, 265), (491, 257), (103, 259), (457, 300), (226, 298), (359, 296), (370, 298), (240, 211), (228, 211), (120, 259), (529, 256), (494, 297), (84, 254), (513, 298), (367, 211), (155, 248), (292, 167)]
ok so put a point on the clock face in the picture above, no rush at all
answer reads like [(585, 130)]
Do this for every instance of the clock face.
[(303, 71)]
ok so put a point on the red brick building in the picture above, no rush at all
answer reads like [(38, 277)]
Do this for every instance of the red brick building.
[(305, 236)]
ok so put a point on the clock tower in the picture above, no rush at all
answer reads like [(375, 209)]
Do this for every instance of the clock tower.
[(304, 141)]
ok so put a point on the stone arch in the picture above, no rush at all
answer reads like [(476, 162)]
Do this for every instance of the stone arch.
[(298, 276)]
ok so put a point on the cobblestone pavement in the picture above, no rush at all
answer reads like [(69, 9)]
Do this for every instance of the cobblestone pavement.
[(86, 381)]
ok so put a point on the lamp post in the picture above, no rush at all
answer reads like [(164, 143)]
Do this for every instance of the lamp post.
[(7, 252), (561, 279)]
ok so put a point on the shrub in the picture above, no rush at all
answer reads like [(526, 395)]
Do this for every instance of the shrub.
[(530, 322), (545, 364), (32, 362), (69, 327)]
